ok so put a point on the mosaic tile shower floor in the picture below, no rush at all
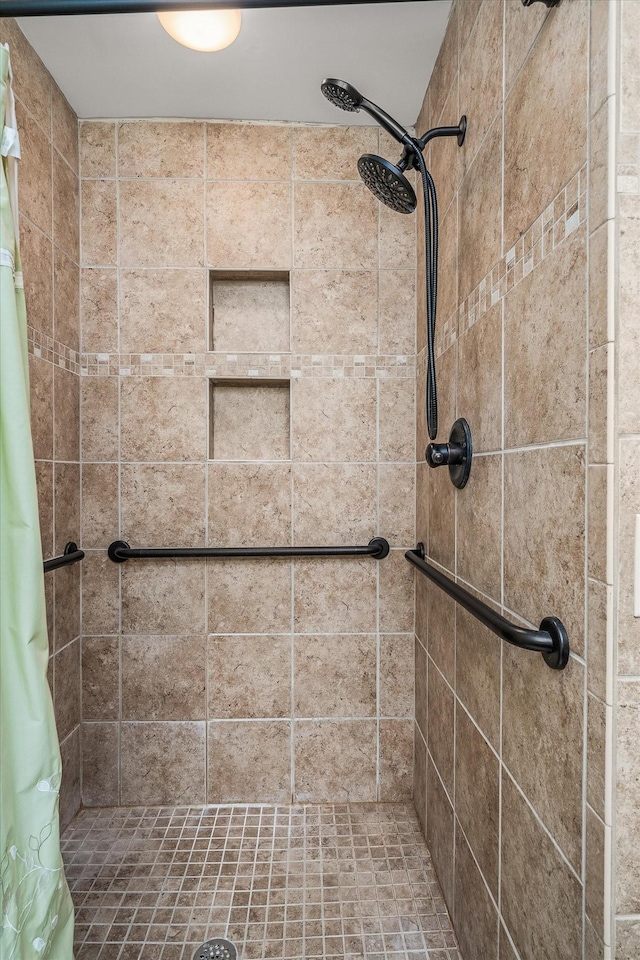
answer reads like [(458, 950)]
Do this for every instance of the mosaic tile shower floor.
[(348, 881)]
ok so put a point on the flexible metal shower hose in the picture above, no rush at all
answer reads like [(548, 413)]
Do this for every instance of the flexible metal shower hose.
[(431, 272)]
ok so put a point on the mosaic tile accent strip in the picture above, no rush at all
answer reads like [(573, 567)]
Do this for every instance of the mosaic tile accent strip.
[(557, 222), (348, 881), (41, 345), (242, 365)]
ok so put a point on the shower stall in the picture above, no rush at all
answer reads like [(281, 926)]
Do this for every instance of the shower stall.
[(295, 666)]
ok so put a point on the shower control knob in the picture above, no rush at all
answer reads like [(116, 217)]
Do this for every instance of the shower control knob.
[(456, 454), (439, 454)]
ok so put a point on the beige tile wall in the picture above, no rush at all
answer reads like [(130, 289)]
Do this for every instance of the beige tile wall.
[(244, 680), (624, 693), (509, 761), (48, 193)]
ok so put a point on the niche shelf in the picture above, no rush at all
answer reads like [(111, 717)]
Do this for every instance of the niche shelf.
[(250, 311), (249, 420)]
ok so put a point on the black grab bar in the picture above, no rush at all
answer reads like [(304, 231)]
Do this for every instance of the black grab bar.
[(49, 8), (550, 640), (72, 554), (119, 551)]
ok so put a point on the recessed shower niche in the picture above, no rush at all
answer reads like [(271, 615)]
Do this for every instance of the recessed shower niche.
[(249, 420), (250, 311)]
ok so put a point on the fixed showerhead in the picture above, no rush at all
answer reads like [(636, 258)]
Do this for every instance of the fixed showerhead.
[(342, 95), (387, 182)]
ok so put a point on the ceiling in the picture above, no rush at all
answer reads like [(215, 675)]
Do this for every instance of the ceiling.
[(127, 66)]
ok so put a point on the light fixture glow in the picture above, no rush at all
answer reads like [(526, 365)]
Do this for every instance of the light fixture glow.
[(202, 29)]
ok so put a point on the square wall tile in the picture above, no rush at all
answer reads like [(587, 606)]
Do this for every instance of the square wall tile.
[(163, 678), (163, 504), (162, 763), (546, 317), (334, 311), (160, 148), (248, 225), (554, 127), (335, 595), (249, 420), (440, 831), (249, 596), (334, 419), (100, 594), (249, 504), (163, 418), (35, 173), (335, 759), (99, 504), (334, 503), (249, 677), (70, 793), (554, 783), (476, 928), (248, 151), (477, 679), (161, 223), (99, 397), (100, 678), (99, 310), (544, 536), (97, 148), (397, 503), (331, 153), (335, 676), (99, 215), (395, 594), (163, 596), (396, 761), (66, 221), (36, 251), (397, 663), (250, 311), (41, 397), (335, 226), (541, 896), (477, 796), (162, 311), (100, 764), (249, 762), (397, 420), (397, 331)]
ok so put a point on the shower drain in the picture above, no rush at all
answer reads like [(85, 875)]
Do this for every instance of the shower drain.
[(218, 949)]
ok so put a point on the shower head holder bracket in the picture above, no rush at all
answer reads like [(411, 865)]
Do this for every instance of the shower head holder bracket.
[(456, 454)]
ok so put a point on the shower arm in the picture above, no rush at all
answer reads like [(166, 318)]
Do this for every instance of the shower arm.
[(407, 161)]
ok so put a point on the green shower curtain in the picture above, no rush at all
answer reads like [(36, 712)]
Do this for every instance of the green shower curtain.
[(37, 914)]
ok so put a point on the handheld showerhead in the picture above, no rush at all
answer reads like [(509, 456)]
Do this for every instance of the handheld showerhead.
[(387, 182), (342, 95)]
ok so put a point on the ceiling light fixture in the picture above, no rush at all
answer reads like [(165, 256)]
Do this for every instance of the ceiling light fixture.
[(205, 30)]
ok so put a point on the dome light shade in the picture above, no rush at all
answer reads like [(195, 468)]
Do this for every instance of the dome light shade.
[(205, 30)]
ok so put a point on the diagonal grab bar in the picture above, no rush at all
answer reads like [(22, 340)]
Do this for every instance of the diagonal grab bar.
[(550, 640)]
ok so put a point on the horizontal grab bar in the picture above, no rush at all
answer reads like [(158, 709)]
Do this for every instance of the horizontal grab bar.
[(120, 551), (71, 555), (550, 640)]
